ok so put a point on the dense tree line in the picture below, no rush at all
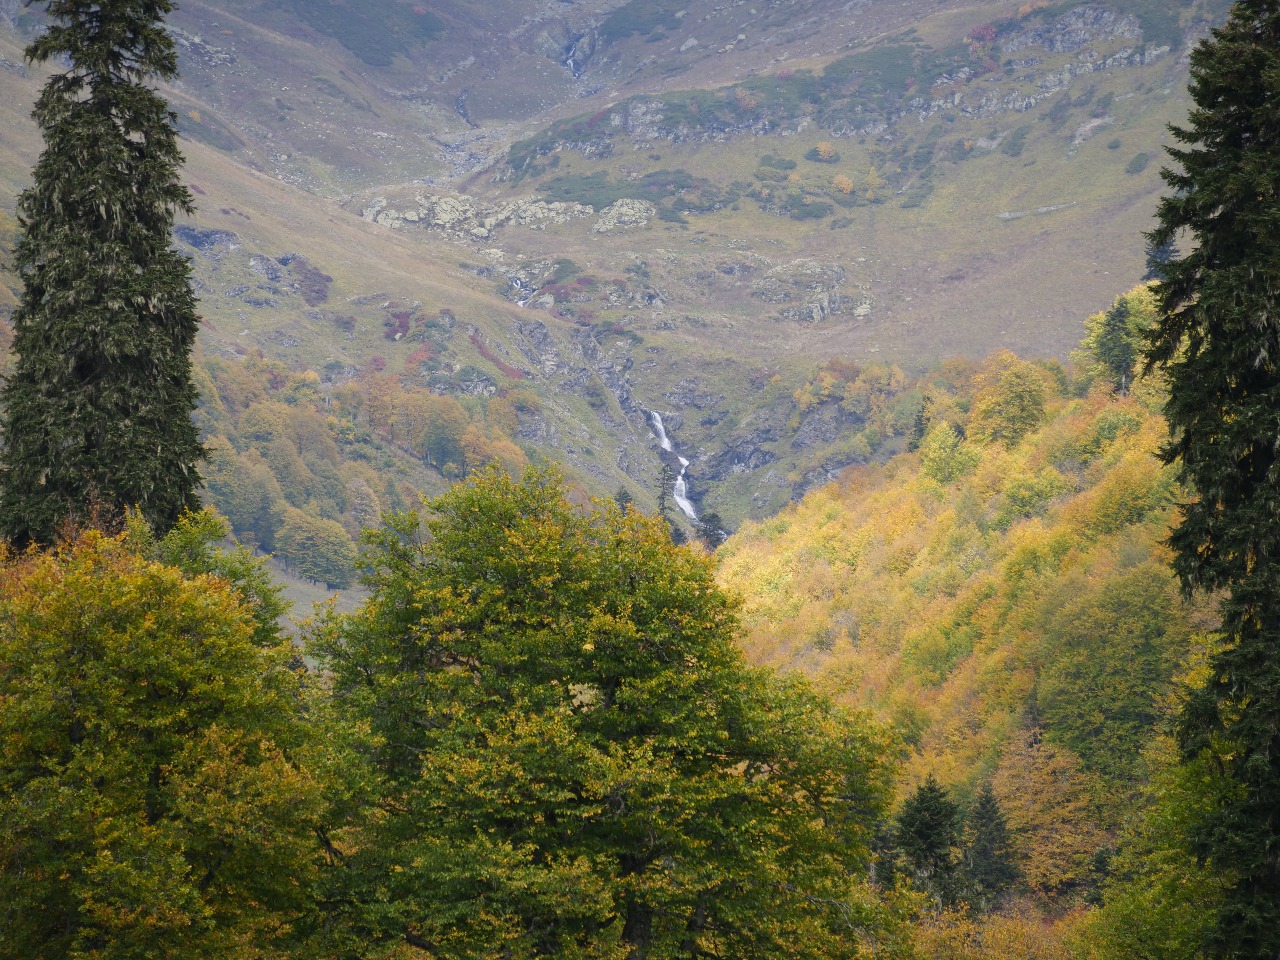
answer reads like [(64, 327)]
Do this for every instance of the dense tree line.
[(1000, 596), (537, 739), (301, 466)]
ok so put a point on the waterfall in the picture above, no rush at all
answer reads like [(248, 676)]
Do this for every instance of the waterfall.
[(680, 492), (660, 431)]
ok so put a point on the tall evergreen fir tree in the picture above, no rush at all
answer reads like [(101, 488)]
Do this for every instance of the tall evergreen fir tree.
[(1218, 343), (928, 830), (988, 865), (666, 481), (97, 411)]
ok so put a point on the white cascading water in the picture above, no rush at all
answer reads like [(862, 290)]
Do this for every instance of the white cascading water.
[(660, 431), (680, 493)]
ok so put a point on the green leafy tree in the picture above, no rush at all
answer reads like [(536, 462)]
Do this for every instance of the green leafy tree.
[(1009, 401), (1106, 656), (317, 549), (988, 866), (1216, 341), (1114, 339), (98, 408), (152, 799), (1160, 901), (927, 835), (571, 758), (944, 456), (243, 487), (195, 546)]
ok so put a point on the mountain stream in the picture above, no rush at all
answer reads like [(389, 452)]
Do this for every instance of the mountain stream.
[(680, 492)]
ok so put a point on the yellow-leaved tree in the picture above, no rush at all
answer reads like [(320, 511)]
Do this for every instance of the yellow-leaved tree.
[(155, 800)]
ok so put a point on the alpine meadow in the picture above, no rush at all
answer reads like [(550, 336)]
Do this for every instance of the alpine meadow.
[(639, 480)]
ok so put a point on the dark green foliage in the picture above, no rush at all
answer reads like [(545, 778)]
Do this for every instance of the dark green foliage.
[(1109, 656), (1115, 348), (1013, 144), (565, 270), (800, 207), (711, 530), (665, 188), (376, 32), (777, 163), (928, 831), (152, 799), (918, 194), (988, 868), (97, 411), (1058, 112), (317, 549), (248, 492), (1157, 256), (1218, 343), (666, 483), (1138, 163), (1160, 19), (640, 17), (565, 755), (1114, 339), (194, 547), (816, 155)]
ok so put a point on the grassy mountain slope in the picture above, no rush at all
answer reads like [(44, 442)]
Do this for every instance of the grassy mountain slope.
[(870, 183)]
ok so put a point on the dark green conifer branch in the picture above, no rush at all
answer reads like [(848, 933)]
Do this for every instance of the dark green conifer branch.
[(97, 412), (1218, 343)]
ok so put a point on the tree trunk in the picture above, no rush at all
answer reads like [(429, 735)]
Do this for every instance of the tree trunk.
[(637, 930)]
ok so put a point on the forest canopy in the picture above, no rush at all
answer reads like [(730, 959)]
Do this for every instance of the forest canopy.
[(570, 756)]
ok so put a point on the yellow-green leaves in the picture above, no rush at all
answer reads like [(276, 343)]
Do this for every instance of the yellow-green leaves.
[(152, 803), (573, 759)]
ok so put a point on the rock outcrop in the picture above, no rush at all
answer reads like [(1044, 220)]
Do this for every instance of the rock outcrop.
[(464, 216), (624, 214), (808, 291)]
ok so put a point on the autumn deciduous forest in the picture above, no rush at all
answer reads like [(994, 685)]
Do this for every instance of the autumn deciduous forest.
[(1005, 689)]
